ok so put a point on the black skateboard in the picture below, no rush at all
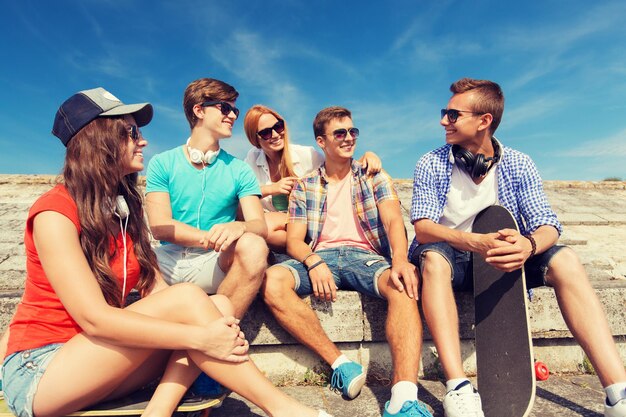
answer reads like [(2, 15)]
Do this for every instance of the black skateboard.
[(506, 379)]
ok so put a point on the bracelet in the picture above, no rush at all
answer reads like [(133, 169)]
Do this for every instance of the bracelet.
[(533, 244), (307, 257), (314, 265)]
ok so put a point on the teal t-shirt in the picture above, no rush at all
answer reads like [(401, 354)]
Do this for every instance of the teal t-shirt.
[(201, 198)]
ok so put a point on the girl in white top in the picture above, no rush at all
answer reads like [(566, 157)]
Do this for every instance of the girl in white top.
[(277, 164)]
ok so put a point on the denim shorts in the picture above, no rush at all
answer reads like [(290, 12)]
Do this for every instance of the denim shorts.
[(352, 268), (186, 264), (21, 373), (460, 262)]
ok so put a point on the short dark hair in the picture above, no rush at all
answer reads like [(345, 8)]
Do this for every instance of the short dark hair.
[(488, 97), (205, 89), (326, 115)]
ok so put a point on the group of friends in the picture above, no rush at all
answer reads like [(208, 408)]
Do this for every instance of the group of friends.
[(287, 222)]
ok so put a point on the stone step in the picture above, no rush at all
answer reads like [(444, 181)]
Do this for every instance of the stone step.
[(594, 219), (357, 324)]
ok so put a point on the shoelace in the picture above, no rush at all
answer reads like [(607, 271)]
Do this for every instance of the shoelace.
[(466, 401), (337, 380), (416, 409)]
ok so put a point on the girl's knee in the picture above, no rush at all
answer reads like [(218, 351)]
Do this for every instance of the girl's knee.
[(223, 304)]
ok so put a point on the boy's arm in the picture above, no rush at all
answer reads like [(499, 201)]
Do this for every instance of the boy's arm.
[(427, 231), (322, 281), (391, 217), (221, 236), (164, 227), (371, 162), (254, 218)]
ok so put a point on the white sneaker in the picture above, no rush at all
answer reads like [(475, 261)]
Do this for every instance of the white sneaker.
[(463, 401), (616, 410)]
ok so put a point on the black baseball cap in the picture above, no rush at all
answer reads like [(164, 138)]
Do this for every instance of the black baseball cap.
[(83, 107)]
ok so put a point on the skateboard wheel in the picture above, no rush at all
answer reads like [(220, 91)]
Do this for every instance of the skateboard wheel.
[(541, 371)]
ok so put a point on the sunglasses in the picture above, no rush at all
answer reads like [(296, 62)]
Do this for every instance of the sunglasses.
[(266, 134), (342, 134), (225, 107), (453, 114), (134, 133)]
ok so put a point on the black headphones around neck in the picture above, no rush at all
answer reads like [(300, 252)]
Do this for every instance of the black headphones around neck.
[(476, 165)]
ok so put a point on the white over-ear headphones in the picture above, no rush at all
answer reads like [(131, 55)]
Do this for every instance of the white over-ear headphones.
[(122, 211), (198, 157)]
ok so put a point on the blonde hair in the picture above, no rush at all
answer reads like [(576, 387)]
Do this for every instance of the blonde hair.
[(251, 126)]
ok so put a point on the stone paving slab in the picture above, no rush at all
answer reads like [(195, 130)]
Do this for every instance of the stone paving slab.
[(559, 396)]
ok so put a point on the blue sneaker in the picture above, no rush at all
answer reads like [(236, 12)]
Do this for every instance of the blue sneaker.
[(207, 387), (349, 378), (409, 409)]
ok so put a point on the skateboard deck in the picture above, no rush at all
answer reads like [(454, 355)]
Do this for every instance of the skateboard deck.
[(504, 358), (135, 404)]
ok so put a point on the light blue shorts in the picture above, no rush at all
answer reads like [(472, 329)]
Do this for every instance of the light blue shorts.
[(352, 268), (21, 373)]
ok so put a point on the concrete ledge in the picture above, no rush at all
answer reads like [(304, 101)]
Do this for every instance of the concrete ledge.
[(356, 324), (594, 215)]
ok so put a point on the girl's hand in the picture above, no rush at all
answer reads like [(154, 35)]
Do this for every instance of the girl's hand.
[(224, 340), (284, 185)]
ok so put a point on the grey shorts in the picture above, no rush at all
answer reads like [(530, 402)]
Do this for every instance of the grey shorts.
[(195, 265), (352, 268), (21, 373), (460, 263)]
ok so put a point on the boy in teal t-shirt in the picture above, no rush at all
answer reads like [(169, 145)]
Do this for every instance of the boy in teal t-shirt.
[(192, 195)]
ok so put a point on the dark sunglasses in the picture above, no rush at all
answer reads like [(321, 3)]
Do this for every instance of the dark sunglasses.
[(225, 107), (453, 114), (342, 134), (266, 134), (134, 133)]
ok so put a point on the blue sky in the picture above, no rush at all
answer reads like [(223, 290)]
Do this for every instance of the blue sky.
[(561, 64)]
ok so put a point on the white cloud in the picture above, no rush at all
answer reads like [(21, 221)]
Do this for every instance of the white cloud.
[(258, 62), (613, 147), (537, 107)]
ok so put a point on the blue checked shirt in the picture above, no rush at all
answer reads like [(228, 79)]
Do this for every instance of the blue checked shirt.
[(307, 204), (520, 189)]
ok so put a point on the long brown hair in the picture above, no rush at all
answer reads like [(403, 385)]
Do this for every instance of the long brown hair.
[(93, 176), (251, 126)]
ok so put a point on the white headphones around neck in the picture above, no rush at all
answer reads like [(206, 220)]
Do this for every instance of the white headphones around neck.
[(198, 157), (122, 211)]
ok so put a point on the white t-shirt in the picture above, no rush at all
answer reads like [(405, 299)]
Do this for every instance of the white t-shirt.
[(466, 199), (305, 160)]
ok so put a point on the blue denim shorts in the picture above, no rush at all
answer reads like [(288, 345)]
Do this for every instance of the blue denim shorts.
[(21, 373), (352, 268), (460, 263)]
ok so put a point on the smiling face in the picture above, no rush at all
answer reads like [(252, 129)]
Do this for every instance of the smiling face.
[(218, 125), (333, 148), (469, 129), (276, 143), (134, 147)]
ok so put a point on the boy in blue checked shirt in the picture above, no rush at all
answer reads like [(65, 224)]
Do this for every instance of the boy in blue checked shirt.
[(457, 181), (343, 227)]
